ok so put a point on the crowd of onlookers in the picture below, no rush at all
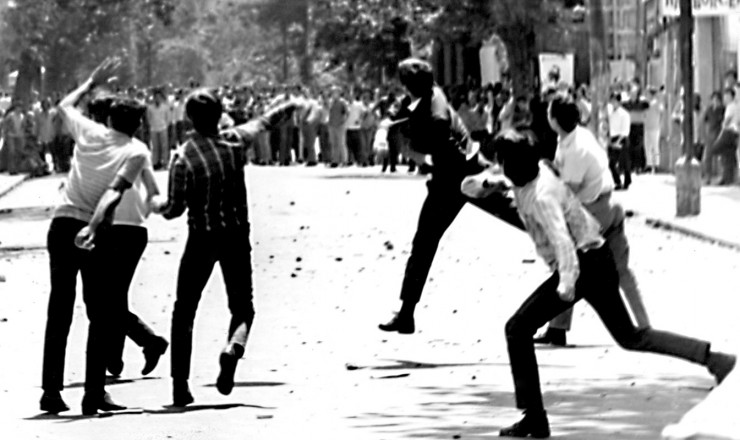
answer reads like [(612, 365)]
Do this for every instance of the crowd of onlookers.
[(354, 125)]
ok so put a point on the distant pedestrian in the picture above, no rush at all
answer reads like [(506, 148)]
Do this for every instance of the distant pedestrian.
[(727, 141), (338, 114), (158, 117), (653, 122), (619, 152), (713, 117)]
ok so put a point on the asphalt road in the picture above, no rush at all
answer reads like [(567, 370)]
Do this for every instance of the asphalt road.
[(329, 252)]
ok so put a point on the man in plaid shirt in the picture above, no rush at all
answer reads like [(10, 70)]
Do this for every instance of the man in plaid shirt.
[(207, 178)]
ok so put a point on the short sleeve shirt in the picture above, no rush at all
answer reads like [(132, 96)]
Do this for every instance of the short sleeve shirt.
[(100, 155), (583, 163)]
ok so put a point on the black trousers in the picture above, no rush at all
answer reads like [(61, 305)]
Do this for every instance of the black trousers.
[(106, 302), (637, 146), (127, 259), (232, 250), (619, 163), (443, 202), (598, 283)]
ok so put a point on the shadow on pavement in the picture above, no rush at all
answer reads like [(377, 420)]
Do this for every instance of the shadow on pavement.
[(595, 409), (252, 384), (111, 380), (399, 364), (384, 176), (167, 409)]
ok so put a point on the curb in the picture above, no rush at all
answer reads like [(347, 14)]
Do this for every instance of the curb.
[(5, 191), (670, 226)]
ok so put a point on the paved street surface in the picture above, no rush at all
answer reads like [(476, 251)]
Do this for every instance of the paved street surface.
[(329, 252)]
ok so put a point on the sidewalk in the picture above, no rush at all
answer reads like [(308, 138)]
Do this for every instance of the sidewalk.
[(8, 182), (653, 197)]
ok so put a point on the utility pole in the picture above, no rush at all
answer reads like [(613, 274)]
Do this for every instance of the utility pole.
[(600, 78), (688, 170)]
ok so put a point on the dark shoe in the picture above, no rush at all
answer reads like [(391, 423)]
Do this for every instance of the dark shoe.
[(115, 368), (399, 324), (181, 395), (311, 164), (228, 360), (52, 403), (533, 425), (152, 353), (553, 336), (92, 403), (720, 365)]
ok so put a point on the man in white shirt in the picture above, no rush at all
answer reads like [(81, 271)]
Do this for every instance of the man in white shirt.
[(619, 131), (159, 115), (567, 238), (354, 134), (583, 165), (107, 161)]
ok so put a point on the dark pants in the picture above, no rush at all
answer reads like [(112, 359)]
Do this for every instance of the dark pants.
[(725, 147), (443, 202), (355, 148), (231, 249), (325, 146), (619, 163), (105, 301), (637, 146), (126, 261), (598, 283), (309, 133)]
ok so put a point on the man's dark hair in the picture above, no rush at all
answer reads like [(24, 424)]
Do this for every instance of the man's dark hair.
[(126, 114), (518, 155), (99, 108), (204, 110), (417, 76), (565, 112)]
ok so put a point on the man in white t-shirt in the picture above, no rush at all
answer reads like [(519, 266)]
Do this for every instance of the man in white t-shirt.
[(107, 161), (354, 132), (159, 116), (584, 167)]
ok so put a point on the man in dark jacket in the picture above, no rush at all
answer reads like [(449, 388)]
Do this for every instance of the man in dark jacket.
[(435, 130)]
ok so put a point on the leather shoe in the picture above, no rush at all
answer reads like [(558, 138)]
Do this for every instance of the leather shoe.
[(92, 403), (402, 325), (52, 402), (152, 353), (720, 365), (181, 395), (228, 360), (115, 368), (553, 336), (533, 425)]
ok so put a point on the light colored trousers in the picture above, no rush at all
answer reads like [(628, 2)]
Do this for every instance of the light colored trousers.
[(160, 148)]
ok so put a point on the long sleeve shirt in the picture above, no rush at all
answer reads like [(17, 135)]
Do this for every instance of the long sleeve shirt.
[(558, 224), (207, 174)]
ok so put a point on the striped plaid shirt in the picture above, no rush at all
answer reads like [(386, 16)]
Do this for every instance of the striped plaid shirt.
[(558, 224), (207, 175)]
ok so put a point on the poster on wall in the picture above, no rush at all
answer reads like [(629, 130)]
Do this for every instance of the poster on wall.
[(556, 68), (490, 68)]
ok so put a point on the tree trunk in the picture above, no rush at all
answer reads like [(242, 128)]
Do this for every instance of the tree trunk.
[(521, 47), (29, 77), (284, 34), (306, 56)]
